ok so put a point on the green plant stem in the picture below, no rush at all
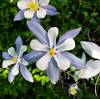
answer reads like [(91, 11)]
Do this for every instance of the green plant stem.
[(96, 85)]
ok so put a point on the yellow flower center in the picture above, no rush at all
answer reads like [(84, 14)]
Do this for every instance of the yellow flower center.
[(52, 52), (33, 6), (73, 91), (14, 59)]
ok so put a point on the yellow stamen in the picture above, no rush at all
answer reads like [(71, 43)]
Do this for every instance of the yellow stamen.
[(73, 91), (52, 52), (33, 6), (14, 59)]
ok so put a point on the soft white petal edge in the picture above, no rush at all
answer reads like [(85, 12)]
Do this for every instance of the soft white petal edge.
[(15, 70), (43, 62), (22, 4), (63, 63), (37, 45), (29, 14), (41, 13), (7, 63), (68, 44), (52, 35), (22, 50), (91, 48), (44, 2), (12, 52), (24, 62), (84, 57), (93, 68)]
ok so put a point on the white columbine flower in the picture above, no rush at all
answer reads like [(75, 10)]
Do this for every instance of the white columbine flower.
[(92, 66), (50, 54), (16, 59), (52, 50), (34, 9)]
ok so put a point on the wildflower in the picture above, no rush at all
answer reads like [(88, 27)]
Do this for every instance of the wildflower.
[(73, 89), (51, 54), (91, 70), (17, 61), (34, 9), (92, 66)]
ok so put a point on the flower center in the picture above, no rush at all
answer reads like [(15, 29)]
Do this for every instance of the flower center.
[(52, 52), (33, 6), (14, 59)]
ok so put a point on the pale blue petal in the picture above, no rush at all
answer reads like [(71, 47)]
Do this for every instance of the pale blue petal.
[(38, 31), (51, 10), (35, 19), (26, 73), (18, 43), (33, 56), (19, 16), (53, 72), (5, 55), (10, 76), (77, 62), (70, 34)]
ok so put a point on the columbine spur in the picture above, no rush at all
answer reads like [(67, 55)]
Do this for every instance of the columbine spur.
[(92, 66), (17, 61), (34, 9), (51, 56)]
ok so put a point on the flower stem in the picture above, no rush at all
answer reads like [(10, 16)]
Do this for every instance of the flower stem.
[(96, 85)]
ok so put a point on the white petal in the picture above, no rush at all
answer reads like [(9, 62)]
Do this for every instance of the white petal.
[(12, 52), (29, 14), (84, 57), (22, 4), (63, 63), (41, 13), (37, 45), (24, 62), (6, 63), (92, 49), (44, 2), (42, 63), (68, 44), (15, 70), (22, 50), (52, 35), (93, 68)]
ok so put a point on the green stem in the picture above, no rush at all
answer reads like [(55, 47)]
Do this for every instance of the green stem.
[(96, 85)]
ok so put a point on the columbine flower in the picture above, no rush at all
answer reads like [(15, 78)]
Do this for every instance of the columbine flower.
[(17, 61), (92, 66), (91, 70), (52, 50), (51, 56), (73, 89), (34, 8)]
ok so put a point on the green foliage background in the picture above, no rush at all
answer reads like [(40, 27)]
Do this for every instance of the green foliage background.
[(72, 14)]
